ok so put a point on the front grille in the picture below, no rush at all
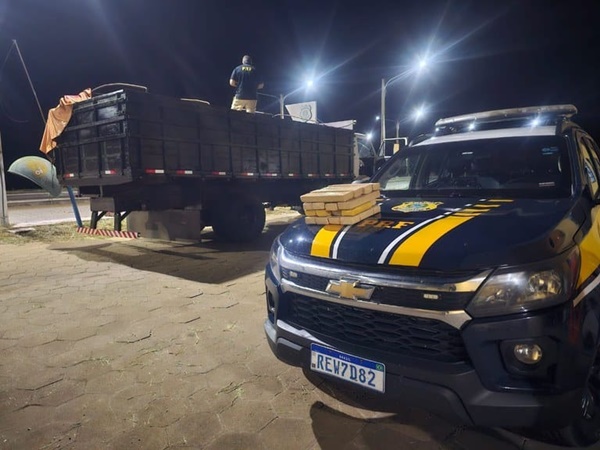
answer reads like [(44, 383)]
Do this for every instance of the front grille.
[(410, 298), (386, 332)]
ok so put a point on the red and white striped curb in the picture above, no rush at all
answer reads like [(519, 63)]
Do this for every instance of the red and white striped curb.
[(111, 233)]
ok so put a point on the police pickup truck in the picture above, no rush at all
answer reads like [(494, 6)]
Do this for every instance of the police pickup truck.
[(474, 293)]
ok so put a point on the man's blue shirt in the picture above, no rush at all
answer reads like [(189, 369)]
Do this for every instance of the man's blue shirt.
[(247, 79)]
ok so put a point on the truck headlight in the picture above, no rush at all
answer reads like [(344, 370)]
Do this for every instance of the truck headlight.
[(511, 290), (275, 257)]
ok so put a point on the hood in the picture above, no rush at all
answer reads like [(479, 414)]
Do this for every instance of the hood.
[(444, 234)]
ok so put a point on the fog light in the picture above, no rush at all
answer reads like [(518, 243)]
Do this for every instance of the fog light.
[(270, 303), (528, 353)]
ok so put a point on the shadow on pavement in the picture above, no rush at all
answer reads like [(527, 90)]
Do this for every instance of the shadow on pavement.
[(335, 430), (208, 261)]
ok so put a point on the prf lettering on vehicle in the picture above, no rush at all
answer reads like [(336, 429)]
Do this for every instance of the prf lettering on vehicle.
[(373, 224)]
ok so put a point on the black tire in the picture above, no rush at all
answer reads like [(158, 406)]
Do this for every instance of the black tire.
[(585, 429), (238, 220)]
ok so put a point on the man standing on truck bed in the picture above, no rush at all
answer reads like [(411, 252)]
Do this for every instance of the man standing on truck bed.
[(246, 80)]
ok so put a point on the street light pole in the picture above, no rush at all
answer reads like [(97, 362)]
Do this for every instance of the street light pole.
[(282, 101), (281, 98), (383, 87), (421, 65), (3, 199)]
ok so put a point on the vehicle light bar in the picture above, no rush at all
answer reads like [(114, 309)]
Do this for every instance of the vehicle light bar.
[(512, 113)]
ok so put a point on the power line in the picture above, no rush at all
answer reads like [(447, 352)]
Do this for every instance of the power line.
[(30, 82)]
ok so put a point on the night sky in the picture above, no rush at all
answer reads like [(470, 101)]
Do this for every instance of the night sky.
[(483, 55)]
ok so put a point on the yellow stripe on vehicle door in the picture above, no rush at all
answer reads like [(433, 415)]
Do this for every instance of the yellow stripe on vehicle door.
[(321, 244), (412, 250), (590, 249)]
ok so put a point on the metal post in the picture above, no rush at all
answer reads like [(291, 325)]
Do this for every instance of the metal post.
[(383, 115), (75, 208), (397, 146), (281, 109), (3, 198)]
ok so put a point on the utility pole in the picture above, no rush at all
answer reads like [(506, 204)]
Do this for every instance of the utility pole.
[(383, 87), (3, 198)]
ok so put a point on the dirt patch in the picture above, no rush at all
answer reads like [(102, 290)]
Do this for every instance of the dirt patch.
[(47, 233)]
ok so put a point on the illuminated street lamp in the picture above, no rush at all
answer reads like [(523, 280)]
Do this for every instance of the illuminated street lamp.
[(419, 67), (419, 112)]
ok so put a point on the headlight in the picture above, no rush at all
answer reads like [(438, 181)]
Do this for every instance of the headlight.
[(511, 290), (274, 258)]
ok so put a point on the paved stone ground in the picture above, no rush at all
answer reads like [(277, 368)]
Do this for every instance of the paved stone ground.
[(115, 344)]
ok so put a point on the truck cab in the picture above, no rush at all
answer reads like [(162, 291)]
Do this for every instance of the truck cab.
[(473, 293)]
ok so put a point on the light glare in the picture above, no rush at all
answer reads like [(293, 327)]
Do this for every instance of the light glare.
[(419, 113)]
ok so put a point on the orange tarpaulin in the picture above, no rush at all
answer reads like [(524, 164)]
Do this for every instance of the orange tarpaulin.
[(58, 118)]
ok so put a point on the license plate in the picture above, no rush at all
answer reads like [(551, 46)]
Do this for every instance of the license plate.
[(364, 372)]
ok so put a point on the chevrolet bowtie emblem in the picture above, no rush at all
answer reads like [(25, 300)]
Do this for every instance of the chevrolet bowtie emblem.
[(349, 289)]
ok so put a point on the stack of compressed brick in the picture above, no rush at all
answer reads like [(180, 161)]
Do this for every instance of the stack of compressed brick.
[(341, 204)]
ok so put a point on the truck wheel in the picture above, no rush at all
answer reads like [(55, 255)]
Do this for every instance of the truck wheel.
[(238, 220), (585, 428)]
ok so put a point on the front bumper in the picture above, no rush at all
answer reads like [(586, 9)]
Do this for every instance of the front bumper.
[(480, 390), (458, 396)]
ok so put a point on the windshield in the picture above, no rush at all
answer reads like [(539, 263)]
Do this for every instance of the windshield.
[(531, 167)]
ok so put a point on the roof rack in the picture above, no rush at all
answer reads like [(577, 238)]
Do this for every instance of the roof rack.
[(512, 113)]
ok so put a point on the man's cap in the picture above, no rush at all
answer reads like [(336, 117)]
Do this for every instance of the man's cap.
[(246, 59)]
